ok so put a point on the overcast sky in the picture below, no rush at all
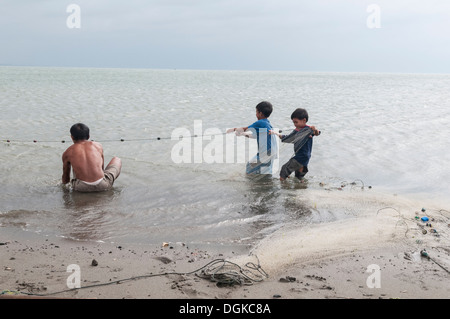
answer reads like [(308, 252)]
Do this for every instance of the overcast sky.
[(297, 35)]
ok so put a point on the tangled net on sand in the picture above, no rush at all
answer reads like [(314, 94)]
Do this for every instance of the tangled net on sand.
[(227, 273)]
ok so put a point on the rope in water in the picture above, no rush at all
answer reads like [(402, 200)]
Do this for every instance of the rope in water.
[(116, 140), (106, 141)]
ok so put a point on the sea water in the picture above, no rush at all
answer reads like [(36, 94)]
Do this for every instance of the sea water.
[(385, 133)]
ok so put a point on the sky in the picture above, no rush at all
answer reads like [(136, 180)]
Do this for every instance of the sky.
[(287, 35)]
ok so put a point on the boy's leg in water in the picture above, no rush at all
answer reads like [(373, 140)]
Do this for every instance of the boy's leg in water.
[(291, 166)]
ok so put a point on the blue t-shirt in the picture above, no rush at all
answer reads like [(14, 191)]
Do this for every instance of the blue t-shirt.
[(261, 128)]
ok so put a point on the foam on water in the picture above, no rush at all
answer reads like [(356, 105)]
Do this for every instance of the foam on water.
[(373, 220)]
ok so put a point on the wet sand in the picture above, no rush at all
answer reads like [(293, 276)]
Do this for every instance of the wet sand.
[(374, 254)]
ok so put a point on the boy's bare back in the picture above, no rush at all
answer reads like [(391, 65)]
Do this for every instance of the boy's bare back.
[(86, 159)]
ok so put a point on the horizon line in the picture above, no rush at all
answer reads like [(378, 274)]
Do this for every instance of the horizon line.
[(219, 69)]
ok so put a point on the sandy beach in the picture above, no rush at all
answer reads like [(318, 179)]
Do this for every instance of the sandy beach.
[(204, 104), (375, 256)]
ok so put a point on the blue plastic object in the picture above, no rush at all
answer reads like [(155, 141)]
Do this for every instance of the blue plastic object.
[(424, 219)]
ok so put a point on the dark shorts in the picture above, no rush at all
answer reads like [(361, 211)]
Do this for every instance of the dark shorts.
[(293, 166)]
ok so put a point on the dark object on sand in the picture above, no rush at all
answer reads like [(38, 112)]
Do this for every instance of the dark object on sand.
[(164, 260), (288, 279)]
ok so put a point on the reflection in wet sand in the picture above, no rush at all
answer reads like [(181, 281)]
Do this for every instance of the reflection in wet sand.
[(87, 217), (276, 202)]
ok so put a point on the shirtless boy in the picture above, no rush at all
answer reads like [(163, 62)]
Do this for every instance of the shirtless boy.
[(86, 160)]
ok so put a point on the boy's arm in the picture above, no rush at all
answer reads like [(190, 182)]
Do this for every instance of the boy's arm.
[(276, 133), (295, 136), (316, 132), (290, 138), (242, 129), (66, 169)]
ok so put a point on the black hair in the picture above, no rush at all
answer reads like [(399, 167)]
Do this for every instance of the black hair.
[(79, 132), (265, 108), (300, 114)]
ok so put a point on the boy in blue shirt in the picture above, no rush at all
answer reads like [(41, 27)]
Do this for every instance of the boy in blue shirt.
[(301, 137), (263, 161)]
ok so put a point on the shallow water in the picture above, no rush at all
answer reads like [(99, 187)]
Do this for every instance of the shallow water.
[(389, 131)]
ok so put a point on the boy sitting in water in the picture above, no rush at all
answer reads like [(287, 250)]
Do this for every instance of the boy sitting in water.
[(303, 142), (262, 162), (86, 159)]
